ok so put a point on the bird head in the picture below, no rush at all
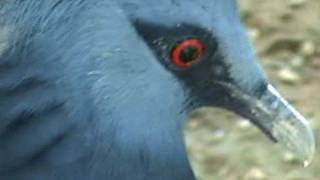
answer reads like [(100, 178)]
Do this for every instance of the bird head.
[(205, 46)]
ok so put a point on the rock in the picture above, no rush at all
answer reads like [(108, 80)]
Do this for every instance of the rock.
[(287, 75), (308, 49), (286, 16), (244, 124), (296, 3), (297, 61), (289, 158), (282, 42), (255, 174), (254, 33), (194, 124), (316, 63), (219, 134)]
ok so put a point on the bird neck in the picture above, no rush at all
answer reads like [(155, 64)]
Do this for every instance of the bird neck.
[(136, 126), (141, 131)]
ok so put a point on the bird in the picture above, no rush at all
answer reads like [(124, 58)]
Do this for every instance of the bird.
[(101, 89)]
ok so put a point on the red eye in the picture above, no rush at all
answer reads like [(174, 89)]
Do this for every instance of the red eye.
[(187, 53)]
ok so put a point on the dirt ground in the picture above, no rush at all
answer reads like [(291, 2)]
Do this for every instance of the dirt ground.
[(224, 146)]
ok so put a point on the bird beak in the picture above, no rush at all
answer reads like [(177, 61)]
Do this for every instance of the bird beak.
[(277, 119)]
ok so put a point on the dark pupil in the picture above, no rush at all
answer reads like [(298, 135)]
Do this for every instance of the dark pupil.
[(189, 54)]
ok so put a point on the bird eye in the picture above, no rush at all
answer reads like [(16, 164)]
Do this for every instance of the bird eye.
[(187, 53)]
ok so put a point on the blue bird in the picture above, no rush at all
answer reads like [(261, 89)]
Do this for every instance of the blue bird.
[(101, 89)]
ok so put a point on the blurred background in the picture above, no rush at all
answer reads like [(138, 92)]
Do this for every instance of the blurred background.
[(222, 146)]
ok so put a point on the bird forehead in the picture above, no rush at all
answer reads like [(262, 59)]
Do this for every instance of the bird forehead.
[(204, 13)]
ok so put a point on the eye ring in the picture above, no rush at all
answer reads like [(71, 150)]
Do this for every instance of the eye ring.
[(187, 52)]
